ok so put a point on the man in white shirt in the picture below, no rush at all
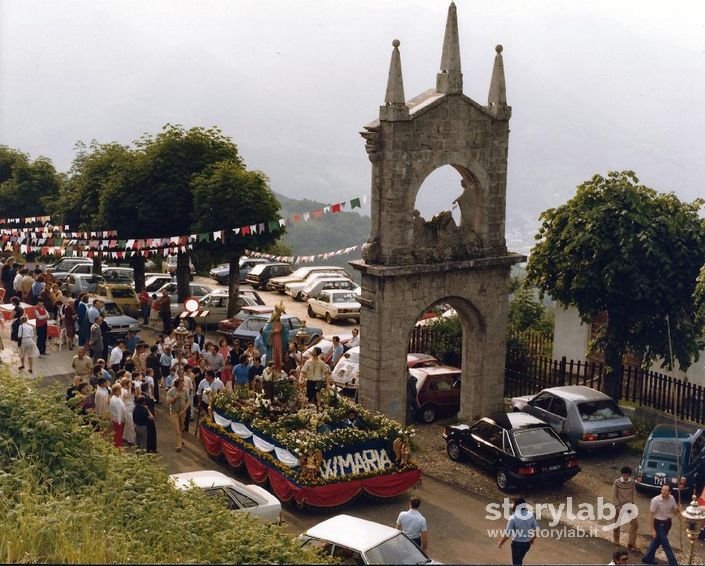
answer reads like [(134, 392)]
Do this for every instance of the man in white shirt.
[(118, 415), (149, 380), (102, 397), (661, 511), (116, 355), (354, 342), (316, 373), (413, 524), (208, 388)]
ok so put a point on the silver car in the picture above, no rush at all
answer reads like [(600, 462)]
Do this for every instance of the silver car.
[(584, 416)]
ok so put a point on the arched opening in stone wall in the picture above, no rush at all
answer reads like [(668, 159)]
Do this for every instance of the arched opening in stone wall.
[(435, 358), (438, 194), (447, 215)]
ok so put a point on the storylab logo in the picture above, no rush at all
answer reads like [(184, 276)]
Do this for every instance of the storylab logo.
[(567, 512)]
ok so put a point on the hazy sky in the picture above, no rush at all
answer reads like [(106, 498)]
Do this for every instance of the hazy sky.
[(594, 85)]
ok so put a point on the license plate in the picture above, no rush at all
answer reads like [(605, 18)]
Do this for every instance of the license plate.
[(612, 434), (660, 479), (551, 468)]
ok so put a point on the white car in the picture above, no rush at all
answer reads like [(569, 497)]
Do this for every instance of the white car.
[(295, 288), (346, 374), (351, 540), (312, 289), (250, 499), (335, 305), (279, 283), (215, 304)]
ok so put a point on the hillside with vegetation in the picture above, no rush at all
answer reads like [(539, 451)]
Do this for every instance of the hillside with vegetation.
[(68, 496)]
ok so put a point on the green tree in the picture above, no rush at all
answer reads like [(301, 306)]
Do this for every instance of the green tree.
[(227, 195), (526, 313), (625, 249), (26, 187)]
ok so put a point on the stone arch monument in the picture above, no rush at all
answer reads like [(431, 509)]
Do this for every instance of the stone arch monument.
[(410, 263)]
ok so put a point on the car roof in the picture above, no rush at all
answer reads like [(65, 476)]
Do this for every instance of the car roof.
[(352, 532), (258, 309), (668, 431), (117, 285), (435, 370), (203, 479), (577, 393), (512, 421)]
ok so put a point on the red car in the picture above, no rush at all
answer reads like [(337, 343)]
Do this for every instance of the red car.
[(437, 391), (228, 326)]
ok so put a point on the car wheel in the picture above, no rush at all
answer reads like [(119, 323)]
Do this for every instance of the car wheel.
[(328, 318), (299, 297), (502, 478), (453, 449), (311, 314), (428, 414)]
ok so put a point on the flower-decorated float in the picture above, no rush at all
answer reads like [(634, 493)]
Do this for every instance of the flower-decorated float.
[(320, 455)]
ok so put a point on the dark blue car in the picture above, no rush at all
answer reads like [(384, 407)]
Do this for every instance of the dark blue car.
[(674, 457)]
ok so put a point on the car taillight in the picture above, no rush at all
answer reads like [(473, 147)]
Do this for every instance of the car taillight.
[(527, 470), (571, 463), (589, 437), (628, 432)]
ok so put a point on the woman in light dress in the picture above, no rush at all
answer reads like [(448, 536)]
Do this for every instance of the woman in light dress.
[(28, 343), (128, 435)]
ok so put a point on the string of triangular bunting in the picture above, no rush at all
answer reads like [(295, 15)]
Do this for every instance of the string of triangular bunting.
[(58, 240), (304, 258)]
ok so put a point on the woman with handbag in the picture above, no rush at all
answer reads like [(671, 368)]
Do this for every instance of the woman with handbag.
[(27, 343)]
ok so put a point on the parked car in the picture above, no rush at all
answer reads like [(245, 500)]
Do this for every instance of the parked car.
[(236, 496), (122, 294), (61, 270), (279, 283), (437, 391), (517, 448), (153, 283), (346, 373), (65, 264), (228, 326), (77, 284), (250, 329), (169, 266), (195, 290), (221, 272), (295, 288), (124, 275), (315, 286), (260, 275), (350, 540), (584, 416), (118, 322), (215, 304), (335, 305), (674, 457)]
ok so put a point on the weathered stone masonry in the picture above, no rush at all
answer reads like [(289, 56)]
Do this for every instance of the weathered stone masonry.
[(410, 264)]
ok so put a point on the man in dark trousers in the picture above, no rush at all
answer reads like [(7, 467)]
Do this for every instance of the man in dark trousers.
[(7, 275)]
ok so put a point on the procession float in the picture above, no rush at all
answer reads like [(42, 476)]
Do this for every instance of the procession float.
[(321, 454)]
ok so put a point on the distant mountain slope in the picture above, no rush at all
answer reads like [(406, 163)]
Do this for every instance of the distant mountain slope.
[(326, 234)]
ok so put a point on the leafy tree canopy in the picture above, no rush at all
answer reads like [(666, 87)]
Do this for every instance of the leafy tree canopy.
[(26, 187), (620, 247)]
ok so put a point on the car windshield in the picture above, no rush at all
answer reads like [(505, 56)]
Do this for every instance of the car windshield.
[(396, 550), (538, 441), (353, 357), (256, 324), (344, 298), (301, 272), (602, 410), (111, 309)]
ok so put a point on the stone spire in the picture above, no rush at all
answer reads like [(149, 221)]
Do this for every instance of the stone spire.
[(497, 98), (450, 79), (394, 102)]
